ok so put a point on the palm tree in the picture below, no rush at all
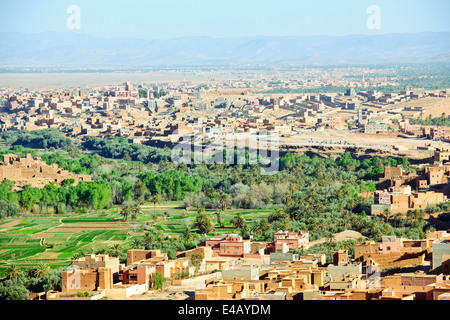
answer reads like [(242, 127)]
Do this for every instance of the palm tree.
[(203, 223), (218, 215), (293, 188), (347, 217), (187, 234), (155, 199), (211, 193), (136, 244), (351, 204), (115, 250), (42, 270), (38, 271), (224, 200), (286, 200), (238, 221), (387, 213), (126, 211), (135, 210), (260, 227), (148, 239), (331, 239), (13, 271), (201, 209), (398, 218), (322, 223)]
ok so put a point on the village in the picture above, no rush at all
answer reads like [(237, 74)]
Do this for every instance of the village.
[(230, 268), (156, 115), (227, 266)]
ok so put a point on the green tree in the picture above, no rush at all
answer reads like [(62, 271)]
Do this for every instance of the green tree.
[(204, 223), (224, 200), (135, 210), (238, 221), (155, 199), (187, 233), (196, 260), (158, 280), (13, 289), (136, 244), (139, 191), (115, 250), (219, 215), (125, 212), (13, 271)]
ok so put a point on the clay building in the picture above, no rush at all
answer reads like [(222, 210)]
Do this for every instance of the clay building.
[(293, 240), (75, 280), (34, 172)]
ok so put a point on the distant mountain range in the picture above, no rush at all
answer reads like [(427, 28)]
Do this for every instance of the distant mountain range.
[(77, 50)]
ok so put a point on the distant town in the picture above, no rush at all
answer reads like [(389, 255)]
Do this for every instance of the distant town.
[(358, 209)]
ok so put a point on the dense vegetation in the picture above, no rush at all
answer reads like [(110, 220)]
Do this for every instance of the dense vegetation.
[(19, 283), (311, 194), (119, 148), (322, 196), (41, 139), (442, 121)]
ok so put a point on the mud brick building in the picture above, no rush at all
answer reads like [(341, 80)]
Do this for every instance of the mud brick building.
[(35, 172), (91, 273), (230, 245), (293, 240), (135, 256), (92, 261), (421, 286), (86, 280)]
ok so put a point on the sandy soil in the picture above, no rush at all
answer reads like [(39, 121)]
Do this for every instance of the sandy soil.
[(75, 80), (11, 224), (341, 236), (41, 235), (360, 139), (433, 106), (47, 255)]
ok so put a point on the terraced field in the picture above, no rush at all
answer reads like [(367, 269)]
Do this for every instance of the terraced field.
[(28, 240), (55, 239)]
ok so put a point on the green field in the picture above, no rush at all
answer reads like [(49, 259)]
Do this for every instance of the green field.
[(29, 240)]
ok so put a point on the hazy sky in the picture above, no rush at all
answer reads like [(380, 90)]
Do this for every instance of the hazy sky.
[(228, 18)]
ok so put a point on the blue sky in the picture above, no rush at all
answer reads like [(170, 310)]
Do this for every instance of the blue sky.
[(228, 18)]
